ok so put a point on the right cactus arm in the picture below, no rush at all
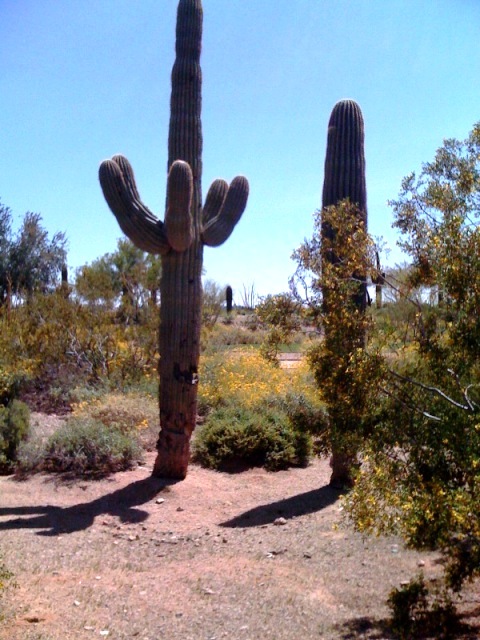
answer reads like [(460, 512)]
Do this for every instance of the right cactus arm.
[(143, 228), (223, 209)]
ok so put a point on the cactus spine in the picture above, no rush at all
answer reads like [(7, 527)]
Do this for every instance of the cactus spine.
[(344, 180), (179, 239)]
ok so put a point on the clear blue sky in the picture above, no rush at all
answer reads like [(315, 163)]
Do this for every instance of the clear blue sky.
[(81, 80)]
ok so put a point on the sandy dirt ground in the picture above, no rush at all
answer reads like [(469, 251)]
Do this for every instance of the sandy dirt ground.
[(245, 556)]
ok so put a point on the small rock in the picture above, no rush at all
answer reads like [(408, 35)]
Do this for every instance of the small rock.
[(76, 603), (421, 563), (104, 632), (160, 500), (307, 555), (89, 628), (280, 522), (180, 509)]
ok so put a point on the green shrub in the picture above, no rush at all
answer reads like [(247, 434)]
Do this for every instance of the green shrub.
[(133, 412), (14, 427), (235, 437), (89, 447), (306, 416), (419, 613)]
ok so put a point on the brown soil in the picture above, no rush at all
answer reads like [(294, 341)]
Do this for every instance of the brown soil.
[(246, 556)]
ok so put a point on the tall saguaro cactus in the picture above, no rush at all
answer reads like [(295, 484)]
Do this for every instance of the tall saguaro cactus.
[(179, 239), (345, 173), (345, 158), (344, 308)]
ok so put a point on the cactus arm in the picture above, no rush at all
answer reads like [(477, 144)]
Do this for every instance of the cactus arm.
[(134, 218), (214, 200), (219, 228), (178, 216)]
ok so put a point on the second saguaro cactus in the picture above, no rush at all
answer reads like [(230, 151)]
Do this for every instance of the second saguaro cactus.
[(344, 310), (344, 177), (179, 239)]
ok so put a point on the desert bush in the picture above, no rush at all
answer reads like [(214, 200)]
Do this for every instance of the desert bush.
[(90, 448), (14, 427), (130, 413), (418, 611), (244, 377), (282, 315), (235, 437), (229, 334)]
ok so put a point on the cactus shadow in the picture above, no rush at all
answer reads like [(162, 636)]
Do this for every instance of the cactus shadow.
[(51, 520), (293, 507)]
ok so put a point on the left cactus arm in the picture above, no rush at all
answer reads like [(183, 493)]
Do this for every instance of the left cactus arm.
[(136, 220)]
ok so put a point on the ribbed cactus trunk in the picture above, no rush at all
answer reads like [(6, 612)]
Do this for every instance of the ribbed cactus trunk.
[(229, 298), (344, 179), (345, 172), (180, 284), (179, 240)]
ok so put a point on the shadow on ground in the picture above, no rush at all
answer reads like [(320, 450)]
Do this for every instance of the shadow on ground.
[(53, 521), (299, 505), (458, 628)]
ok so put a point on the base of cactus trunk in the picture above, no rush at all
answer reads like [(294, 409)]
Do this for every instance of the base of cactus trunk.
[(173, 455)]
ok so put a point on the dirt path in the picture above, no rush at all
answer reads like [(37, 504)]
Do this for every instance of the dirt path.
[(247, 556)]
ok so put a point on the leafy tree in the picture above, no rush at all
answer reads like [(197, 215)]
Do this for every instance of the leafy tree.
[(212, 303), (29, 260), (282, 313), (421, 475), (127, 279)]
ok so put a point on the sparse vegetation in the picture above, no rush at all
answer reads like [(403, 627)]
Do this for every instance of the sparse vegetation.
[(14, 428)]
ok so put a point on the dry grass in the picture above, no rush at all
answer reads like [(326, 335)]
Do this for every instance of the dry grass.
[(200, 559)]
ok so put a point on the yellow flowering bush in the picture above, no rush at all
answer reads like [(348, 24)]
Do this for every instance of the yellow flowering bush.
[(242, 376)]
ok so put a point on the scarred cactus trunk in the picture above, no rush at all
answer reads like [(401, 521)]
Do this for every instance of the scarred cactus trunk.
[(179, 240), (344, 179)]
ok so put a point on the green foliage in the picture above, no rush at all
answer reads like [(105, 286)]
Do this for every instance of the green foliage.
[(29, 260), (131, 412), (59, 342), (419, 613), (14, 428), (281, 314), (90, 448), (346, 373), (235, 437), (421, 470), (212, 304), (127, 279)]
